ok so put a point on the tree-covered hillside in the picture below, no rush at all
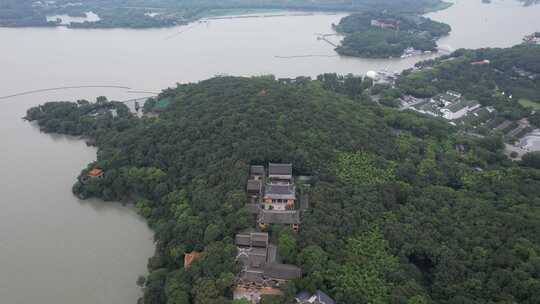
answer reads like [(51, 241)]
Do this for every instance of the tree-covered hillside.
[(397, 213), (493, 76), (514, 70)]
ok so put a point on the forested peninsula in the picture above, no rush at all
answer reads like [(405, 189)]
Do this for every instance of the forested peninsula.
[(164, 13), (403, 208)]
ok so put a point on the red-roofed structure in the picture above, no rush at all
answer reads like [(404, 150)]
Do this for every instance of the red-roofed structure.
[(190, 258), (96, 173)]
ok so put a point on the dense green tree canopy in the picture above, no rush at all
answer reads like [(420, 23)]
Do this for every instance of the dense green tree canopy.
[(397, 215), (506, 79), (513, 71), (363, 39)]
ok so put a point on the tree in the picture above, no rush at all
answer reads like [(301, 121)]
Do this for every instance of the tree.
[(177, 288), (101, 100), (141, 280), (154, 288), (417, 300), (287, 245), (313, 259), (363, 277), (212, 233), (272, 300), (464, 224), (206, 292), (531, 159)]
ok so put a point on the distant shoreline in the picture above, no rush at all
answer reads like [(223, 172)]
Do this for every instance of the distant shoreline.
[(142, 22)]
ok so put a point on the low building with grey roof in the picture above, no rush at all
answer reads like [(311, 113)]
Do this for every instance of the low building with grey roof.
[(280, 172), (256, 172), (279, 196), (282, 272), (280, 217), (319, 297), (254, 187), (252, 239)]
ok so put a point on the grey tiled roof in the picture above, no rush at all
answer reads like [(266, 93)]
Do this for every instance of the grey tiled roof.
[(254, 185), (253, 208), (305, 297), (279, 217), (252, 257), (304, 202), (253, 239), (279, 191), (256, 170), (302, 296), (279, 169), (282, 271), (243, 240), (324, 298)]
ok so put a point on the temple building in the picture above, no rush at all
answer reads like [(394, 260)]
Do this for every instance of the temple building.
[(279, 196), (287, 217), (280, 173), (261, 274), (318, 297)]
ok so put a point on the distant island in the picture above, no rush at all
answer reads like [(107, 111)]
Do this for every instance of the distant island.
[(165, 13), (403, 206), (384, 35)]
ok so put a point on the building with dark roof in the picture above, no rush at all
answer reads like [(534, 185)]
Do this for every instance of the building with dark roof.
[(254, 187), (318, 297), (271, 198), (280, 172), (253, 208), (259, 267), (304, 202), (252, 257), (280, 217), (279, 196), (282, 272), (252, 239), (256, 172)]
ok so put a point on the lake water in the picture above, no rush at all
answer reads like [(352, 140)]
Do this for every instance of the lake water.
[(55, 249), (501, 23)]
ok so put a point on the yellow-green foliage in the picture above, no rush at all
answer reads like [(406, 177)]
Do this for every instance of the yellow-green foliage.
[(361, 168), (362, 278), (529, 104), (476, 179)]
